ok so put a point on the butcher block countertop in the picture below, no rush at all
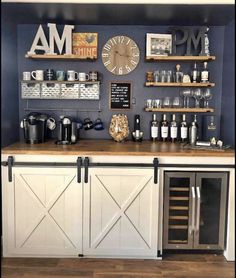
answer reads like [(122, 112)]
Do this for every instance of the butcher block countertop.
[(110, 147)]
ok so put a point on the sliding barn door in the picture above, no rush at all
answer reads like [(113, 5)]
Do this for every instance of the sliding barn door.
[(121, 213), (44, 212)]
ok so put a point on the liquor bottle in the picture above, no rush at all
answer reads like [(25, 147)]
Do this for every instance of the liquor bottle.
[(178, 74), (193, 131), (154, 128), (164, 129), (195, 74), (173, 129), (183, 129), (205, 73)]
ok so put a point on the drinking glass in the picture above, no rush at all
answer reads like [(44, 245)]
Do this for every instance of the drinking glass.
[(197, 94), (166, 102), (176, 102), (207, 95), (186, 94), (157, 76), (163, 76), (169, 76)]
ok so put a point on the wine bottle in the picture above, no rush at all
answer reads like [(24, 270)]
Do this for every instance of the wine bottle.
[(195, 74), (205, 73), (183, 129), (193, 131), (173, 129), (164, 129), (154, 128)]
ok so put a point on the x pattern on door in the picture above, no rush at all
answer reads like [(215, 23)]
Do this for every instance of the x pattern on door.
[(44, 208), (122, 208)]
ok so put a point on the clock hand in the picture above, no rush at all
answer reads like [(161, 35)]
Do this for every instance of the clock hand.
[(117, 52)]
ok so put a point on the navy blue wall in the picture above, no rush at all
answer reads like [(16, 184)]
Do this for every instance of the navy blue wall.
[(9, 83), (26, 35), (228, 88)]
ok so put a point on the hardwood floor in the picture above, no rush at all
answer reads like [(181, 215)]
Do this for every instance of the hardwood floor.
[(172, 266)]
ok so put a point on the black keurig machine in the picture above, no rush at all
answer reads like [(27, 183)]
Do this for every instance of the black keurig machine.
[(68, 133), (34, 126)]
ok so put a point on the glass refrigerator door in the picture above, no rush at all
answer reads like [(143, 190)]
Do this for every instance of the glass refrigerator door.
[(210, 213), (178, 210)]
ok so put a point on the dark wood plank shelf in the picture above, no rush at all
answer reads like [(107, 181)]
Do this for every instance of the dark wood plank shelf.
[(180, 58), (178, 208), (59, 57), (175, 198), (175, 84), (181, 110)]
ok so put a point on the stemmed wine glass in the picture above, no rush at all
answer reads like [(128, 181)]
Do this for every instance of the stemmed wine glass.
[(186, 94), (207, 95), (198, 95)]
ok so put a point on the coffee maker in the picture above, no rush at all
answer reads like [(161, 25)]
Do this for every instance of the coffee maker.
[(67, 131), (34, 126)]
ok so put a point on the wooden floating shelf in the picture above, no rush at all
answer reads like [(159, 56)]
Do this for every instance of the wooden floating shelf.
[(175, 84), (180, 58), (182, 110), (59, 57)]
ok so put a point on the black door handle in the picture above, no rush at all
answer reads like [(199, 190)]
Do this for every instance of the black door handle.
[(86, 165), (79, 165)]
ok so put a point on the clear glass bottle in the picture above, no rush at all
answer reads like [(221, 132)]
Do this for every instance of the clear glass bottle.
[(195, 74), (178, 74), (154, 128), (164, 129), (183, 129), (173, 129), (193, 131), (205, 73)]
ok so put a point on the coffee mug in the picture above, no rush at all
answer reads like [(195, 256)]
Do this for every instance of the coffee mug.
[(49, 74), (98, 125), (88, 124), (51, 123), (72, 75), (37, 74), (26, 75), (60, 75), (83, 76), (93, 75)]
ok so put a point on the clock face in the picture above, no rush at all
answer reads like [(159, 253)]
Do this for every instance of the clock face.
[(120, 55)]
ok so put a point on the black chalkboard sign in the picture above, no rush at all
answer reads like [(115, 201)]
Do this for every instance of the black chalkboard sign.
[(120, 95)]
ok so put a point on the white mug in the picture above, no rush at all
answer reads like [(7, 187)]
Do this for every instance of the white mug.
[(26, 75), (83, 76), (37, 74), (72, 75)]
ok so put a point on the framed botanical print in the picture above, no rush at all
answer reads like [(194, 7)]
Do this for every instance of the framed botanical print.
[(158, 44)]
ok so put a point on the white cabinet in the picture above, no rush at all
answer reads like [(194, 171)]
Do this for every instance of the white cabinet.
[(42, 212), (49, 213), (121, 213)]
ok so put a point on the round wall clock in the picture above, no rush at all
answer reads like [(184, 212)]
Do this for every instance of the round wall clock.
[(120, 55)]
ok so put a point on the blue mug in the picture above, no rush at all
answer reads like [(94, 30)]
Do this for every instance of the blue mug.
[(98, 125), (88, 124)]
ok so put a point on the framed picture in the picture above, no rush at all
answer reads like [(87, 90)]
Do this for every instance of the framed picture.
[(158, 44), (85, 45)]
